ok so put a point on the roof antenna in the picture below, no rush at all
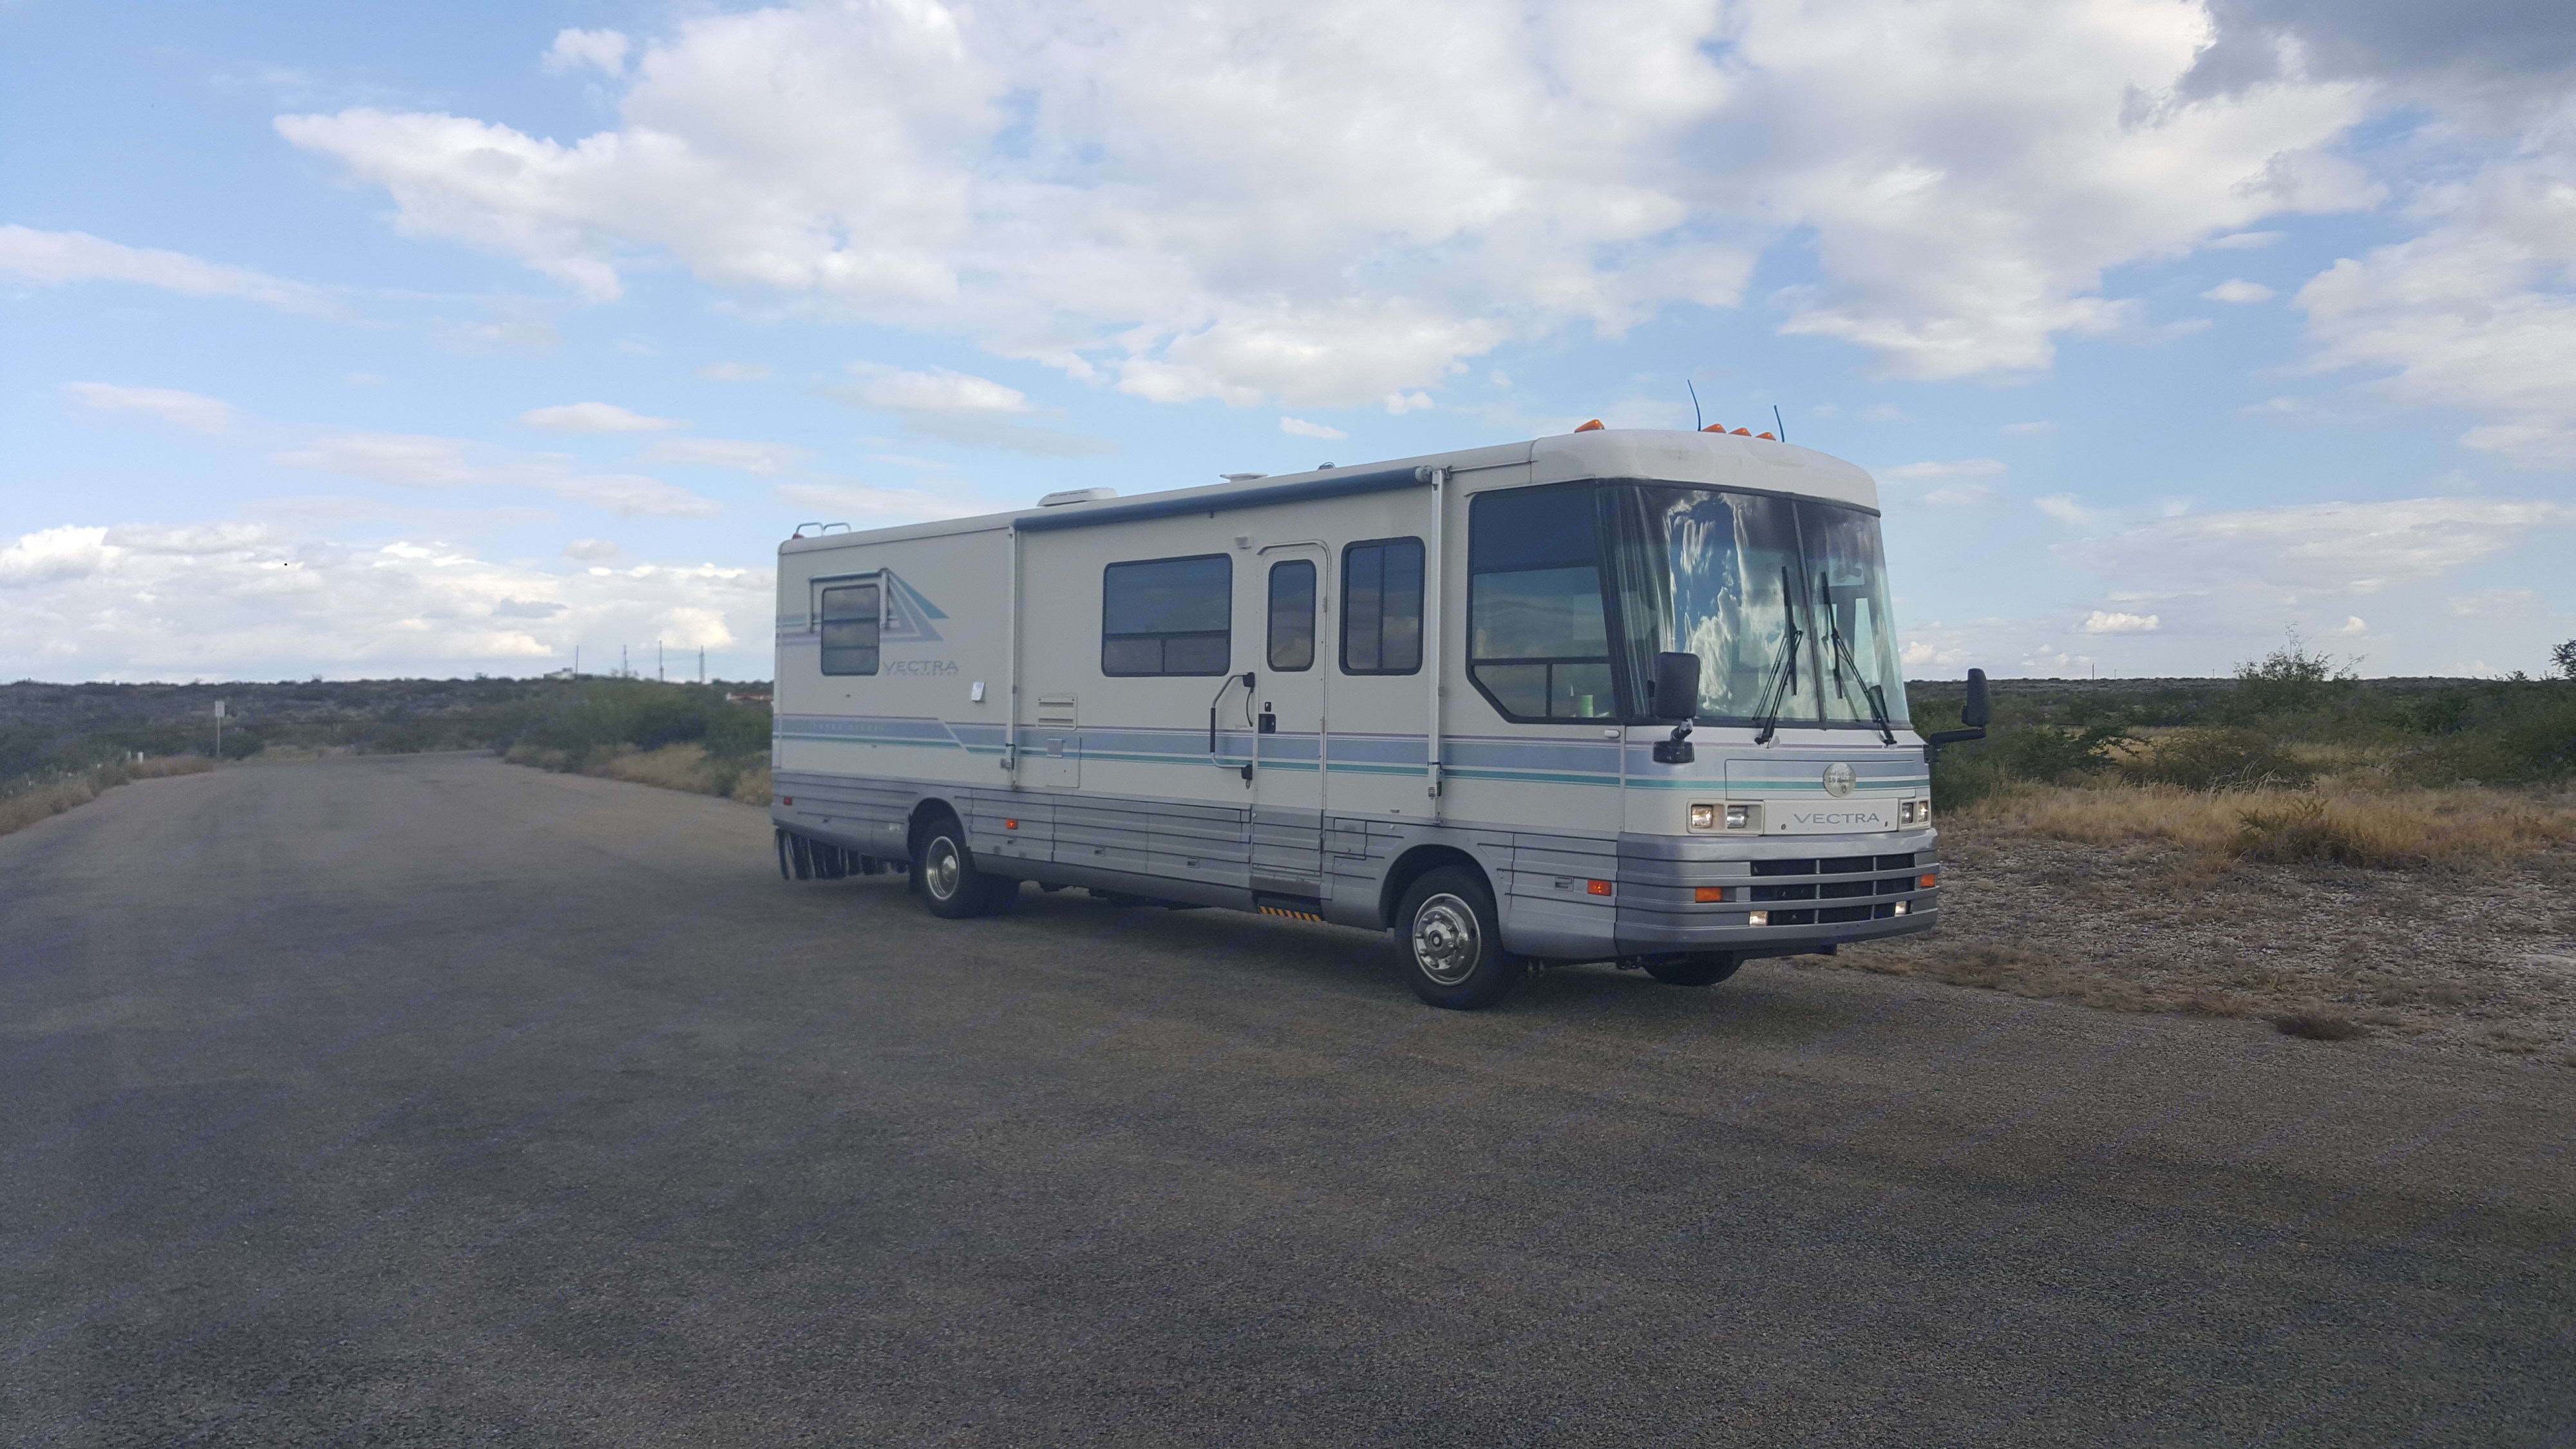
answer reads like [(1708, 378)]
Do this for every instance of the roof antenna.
[(1696, 420), (1777, 423)]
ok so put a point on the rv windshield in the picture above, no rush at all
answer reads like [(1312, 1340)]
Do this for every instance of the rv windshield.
[(1574, 590), (1722, 576)]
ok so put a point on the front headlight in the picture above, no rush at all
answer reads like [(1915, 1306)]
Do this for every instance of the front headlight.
[(1743, 817), (1703, 817), (1923, 811)]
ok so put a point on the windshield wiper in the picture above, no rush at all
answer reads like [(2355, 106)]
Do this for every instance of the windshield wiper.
[(1784, 670), (1843, 659)]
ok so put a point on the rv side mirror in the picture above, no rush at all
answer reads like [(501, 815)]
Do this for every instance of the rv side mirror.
[(1975, 713), (1676, 686)]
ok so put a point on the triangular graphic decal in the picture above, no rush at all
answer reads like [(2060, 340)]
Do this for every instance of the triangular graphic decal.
[(908, 613)]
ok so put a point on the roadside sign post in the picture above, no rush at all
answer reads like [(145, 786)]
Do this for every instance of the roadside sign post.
[(219, 731)]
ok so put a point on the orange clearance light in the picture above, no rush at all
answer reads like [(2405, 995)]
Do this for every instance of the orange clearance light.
[(1593, 426), (1766, 435), (1744, 432), (1596, 888), (1706, 894), (1927, 882), (1010, 825), (1714, 428)]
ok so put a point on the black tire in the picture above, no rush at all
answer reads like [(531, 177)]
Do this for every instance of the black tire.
[(803, 850), (950, 885), (1706, 968), (786, 868), (1453, 941)]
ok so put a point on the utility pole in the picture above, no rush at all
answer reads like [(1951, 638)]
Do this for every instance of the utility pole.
[(702, 664), (219, 729), (622, 671), (576, 661), (660, 675)]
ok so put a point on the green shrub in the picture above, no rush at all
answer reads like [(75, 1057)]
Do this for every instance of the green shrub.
[(2217, 759), (2052, 755)]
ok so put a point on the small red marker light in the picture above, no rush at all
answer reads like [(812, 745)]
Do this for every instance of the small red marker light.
[(1596, 888), (1010, 825), (786, 799), (1593, 426)]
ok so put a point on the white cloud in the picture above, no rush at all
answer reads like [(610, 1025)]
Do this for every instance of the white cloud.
[(2353, 625), (1887, 413), (593, 417), (2334, 548), (2027, 428), (2245, 241), (2240, 291), (603, 50), (2476, 313), (749, 457), (411, 460), (56, 258), (1958, 468), (2064, 508), (193, 411), (1400, 403), (735, 372), (2100, 622), (1143, 194), (960, 408), (1299, 427), (1963, 495), (2495, 603), (251, 601), (594, 550)]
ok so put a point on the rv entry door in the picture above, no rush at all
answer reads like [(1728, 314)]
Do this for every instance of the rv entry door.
[(1288, 596)]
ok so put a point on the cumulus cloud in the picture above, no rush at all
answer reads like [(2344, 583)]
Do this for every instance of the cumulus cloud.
[(57, 258), (594, 550), (735, 372), (1300, 428), (2476, 313), (1048, 183), (2101, 622), (2239, 291), (2338, 548), (194, 411), (961, 408), (249, 600), (745, 456), (602, 50), (593, 417), (2065, 509), (411, 460)]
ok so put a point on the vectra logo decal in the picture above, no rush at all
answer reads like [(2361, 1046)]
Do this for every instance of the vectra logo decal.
[(1839, 780), (908, 614)]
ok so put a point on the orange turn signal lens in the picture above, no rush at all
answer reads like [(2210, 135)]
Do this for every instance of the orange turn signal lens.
[(1593, 426), (1927, 882), (1010, 825), (1596, 888), (1706, 894)]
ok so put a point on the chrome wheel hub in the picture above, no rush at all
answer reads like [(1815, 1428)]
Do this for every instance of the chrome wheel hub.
[(1446, 944), (940, 868)]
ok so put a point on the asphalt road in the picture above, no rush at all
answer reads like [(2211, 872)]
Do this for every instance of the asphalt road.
[(434, 1101)]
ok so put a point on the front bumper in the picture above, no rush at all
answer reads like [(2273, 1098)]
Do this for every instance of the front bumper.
[(1702, 894)]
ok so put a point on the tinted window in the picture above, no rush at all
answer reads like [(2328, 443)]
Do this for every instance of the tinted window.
[(1167, 616), (850, 629), (1382, 607), (1292, 615), (1538, 640)]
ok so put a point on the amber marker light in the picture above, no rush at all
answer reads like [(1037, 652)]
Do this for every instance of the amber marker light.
[(1927, 882), (1596, 888), (1010, 825), (1706, 894), (1593, 426)]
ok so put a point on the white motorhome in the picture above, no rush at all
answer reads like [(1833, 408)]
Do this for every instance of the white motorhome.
[(1624, 696)]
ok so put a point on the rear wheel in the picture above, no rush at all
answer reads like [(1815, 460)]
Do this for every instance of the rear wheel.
[(1453, 941), (1706, 968), (949, 882)]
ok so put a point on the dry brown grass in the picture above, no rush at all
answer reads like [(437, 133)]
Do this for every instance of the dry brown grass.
[(672, 767), (19, 811), (2383, 829)]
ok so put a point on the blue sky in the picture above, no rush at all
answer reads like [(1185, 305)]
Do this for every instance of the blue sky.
[(355, 340)]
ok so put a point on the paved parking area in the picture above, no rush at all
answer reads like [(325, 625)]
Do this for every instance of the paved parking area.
[(434, 1101)]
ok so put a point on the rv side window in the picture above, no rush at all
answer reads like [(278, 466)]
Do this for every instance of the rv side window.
[(1292, 615), (1167, 616), (1382, 607), (1538, 642), (850, 629)]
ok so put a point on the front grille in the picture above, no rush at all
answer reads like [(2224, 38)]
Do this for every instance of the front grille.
[(1834, 865), (1843, 913), (1784, 893), (1836, 889), (1784, 867), (1793, 918), (1846, 864)]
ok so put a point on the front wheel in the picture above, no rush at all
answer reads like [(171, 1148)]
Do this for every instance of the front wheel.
[(1453, 941), (1706, 968), (950, 884)]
